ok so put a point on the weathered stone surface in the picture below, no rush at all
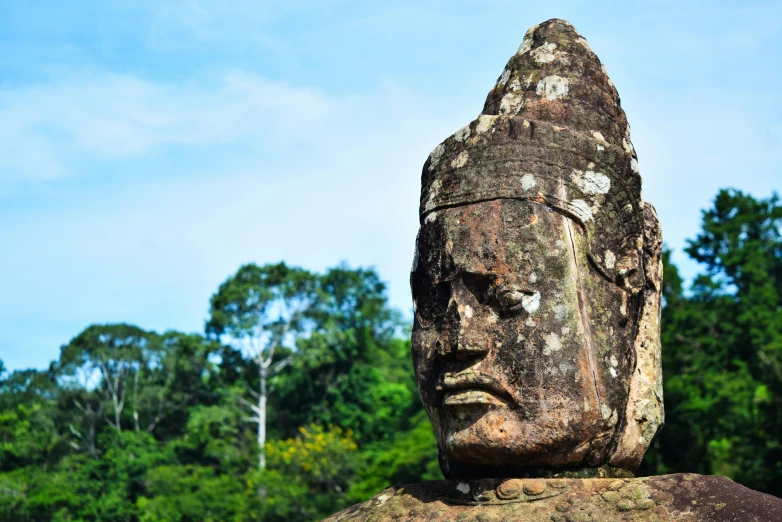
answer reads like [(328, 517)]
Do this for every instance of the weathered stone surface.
[(537, 275), (683, 497)]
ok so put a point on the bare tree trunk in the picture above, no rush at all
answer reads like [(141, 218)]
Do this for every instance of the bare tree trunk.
[(92, 417), (117, 400), (262, 396), (264, 360), (93, 449), (135, 399)]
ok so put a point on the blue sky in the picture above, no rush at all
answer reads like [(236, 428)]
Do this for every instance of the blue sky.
[(148, 148)]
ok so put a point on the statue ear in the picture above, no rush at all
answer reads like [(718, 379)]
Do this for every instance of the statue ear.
[(644, 415)]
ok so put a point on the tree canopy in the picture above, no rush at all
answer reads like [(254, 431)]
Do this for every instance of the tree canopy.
[(130, 424)]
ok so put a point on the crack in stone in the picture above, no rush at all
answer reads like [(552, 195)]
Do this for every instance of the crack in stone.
[(583, 321)]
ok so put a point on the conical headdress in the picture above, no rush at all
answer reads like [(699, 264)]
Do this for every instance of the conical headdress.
[(552, 131)]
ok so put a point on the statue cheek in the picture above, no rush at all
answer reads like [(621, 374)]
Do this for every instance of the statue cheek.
[(423, 349)]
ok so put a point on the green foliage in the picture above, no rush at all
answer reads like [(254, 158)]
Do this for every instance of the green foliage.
[(722, 349), (323, 456), (132, 425), (180, 493), (308, 475), (411, 457), (249, 303)]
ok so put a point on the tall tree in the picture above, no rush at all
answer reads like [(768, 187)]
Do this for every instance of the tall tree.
[(261, 311), (357, 372), (112, 359)]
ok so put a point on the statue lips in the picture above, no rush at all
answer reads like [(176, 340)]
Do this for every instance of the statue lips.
[(471, 388)]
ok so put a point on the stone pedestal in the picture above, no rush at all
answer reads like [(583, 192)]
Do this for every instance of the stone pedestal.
[(685, 497)]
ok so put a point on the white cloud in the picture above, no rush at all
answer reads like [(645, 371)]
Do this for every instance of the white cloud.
[(47, 131)]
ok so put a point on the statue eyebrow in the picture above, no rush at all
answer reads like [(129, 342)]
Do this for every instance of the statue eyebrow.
[(566, 212), (550, 202)]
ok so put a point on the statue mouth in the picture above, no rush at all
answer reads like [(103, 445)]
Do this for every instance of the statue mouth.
[(471, 387)]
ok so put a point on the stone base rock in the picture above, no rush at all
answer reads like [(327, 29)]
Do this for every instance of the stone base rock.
[(686, 497)]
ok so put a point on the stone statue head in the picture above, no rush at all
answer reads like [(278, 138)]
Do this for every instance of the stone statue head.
[(537, 273)]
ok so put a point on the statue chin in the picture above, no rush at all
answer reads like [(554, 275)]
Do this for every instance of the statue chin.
[(497, 439)]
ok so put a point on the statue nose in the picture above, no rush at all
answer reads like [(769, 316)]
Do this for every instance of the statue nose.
[(459, 335)]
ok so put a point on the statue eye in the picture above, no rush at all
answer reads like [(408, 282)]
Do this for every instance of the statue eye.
[(479, 285), (433, 304), (510, 300)]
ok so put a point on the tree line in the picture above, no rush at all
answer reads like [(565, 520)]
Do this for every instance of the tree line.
[(298, 399)]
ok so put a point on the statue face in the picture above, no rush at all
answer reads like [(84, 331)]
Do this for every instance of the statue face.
[(522, 350), (537, 275)]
